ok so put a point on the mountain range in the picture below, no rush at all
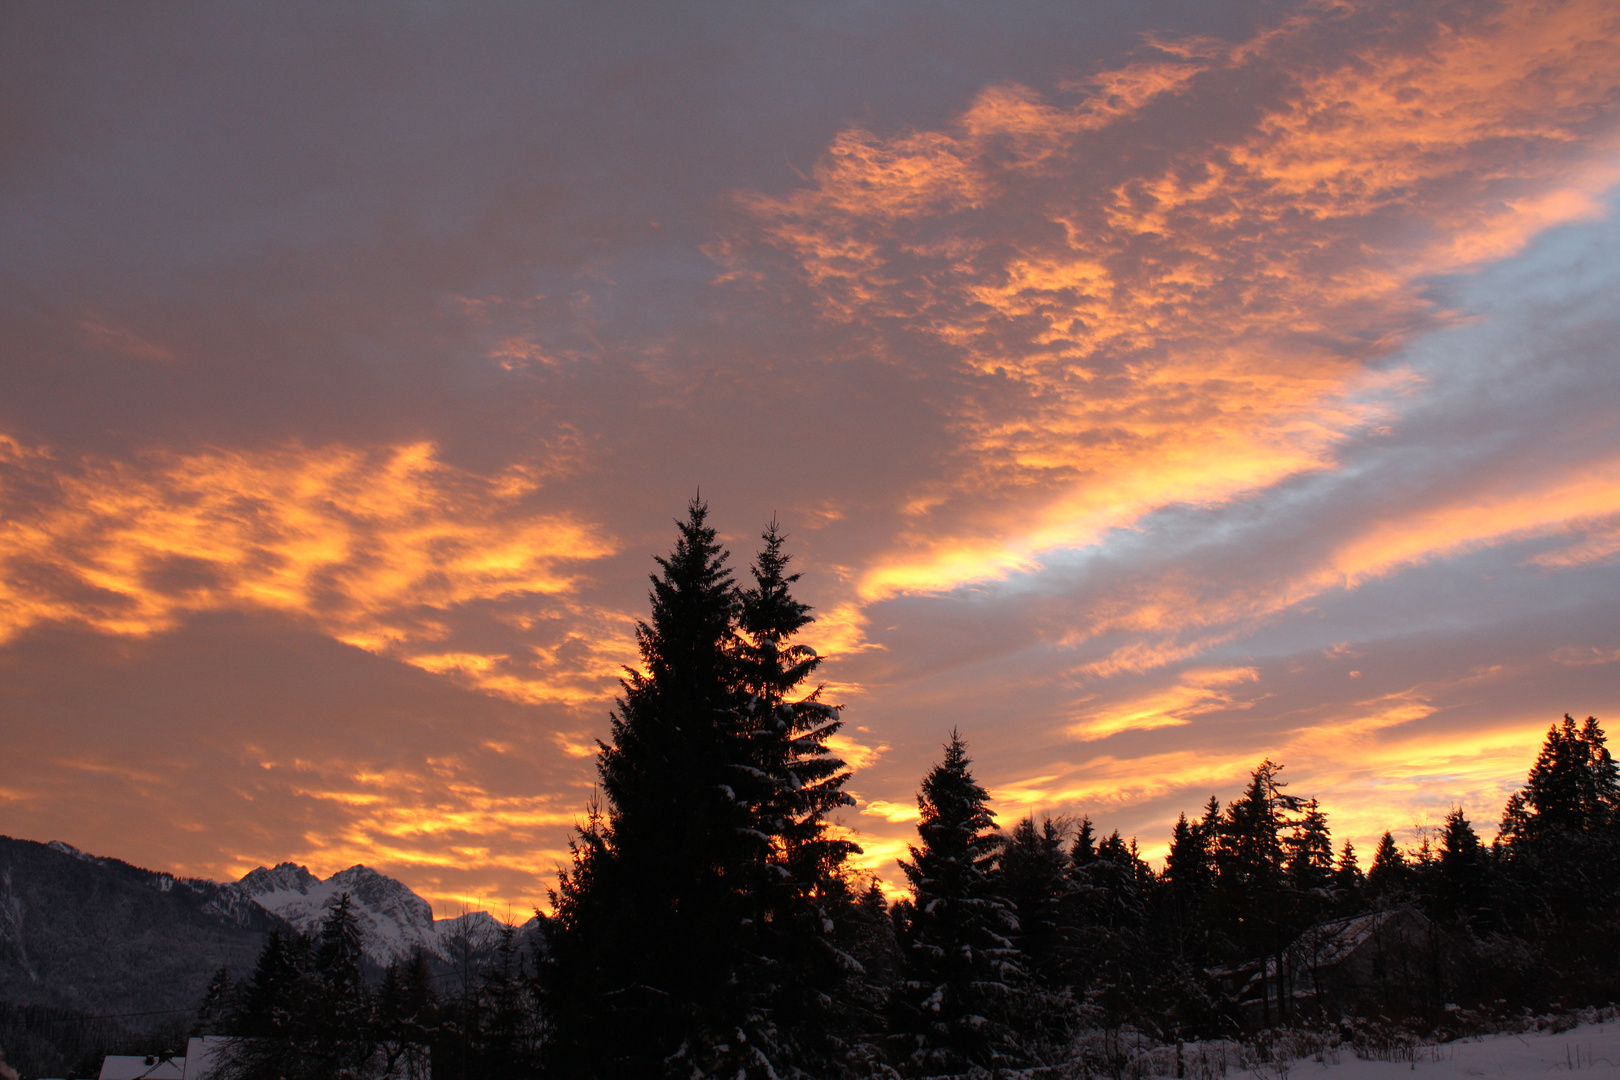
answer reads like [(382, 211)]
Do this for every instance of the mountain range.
[(105, 938)]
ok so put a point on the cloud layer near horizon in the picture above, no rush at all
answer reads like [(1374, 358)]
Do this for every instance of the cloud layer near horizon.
[(1145, 395)]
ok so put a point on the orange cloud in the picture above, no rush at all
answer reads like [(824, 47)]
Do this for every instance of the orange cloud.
[(1176, 617), (891, 812), (423, 823), (1131, 331), (855, 754), (879, 857), (1550, 503), (123, 341), (1199, 690), (380, 548)]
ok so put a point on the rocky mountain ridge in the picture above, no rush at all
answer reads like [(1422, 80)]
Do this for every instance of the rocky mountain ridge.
[(394, 921)]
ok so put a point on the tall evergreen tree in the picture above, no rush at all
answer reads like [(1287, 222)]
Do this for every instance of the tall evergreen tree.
[(1189, 880), (506, 1031), (794, 894), (1084, 848), (407, 1018), (1349, 883), (271, 1002), (955, 1002), (696, 931), (1253, 902), (1559, 857), (1310, 851), (341, 1027), (645, 938), (214, 1013), (306, 1012), (1113, 964), (1461, 895), (1573, 787), (1190, 864), (1310, 868), (1033, 878), (340, 961), (1389, 879)]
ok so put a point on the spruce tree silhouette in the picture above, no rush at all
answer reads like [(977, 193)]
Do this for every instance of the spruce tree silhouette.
[(214, 1013), (645, 930), (1389, 879), (1252, 900), (1462, 891), (694, 931), (792, 885), (306, 1012), (1349, 883), (1310, 869), (408, 1018), (955, 1002), (1573, 787), (342, 1020), (1189, 879), (1559, 854), (1033, 874)]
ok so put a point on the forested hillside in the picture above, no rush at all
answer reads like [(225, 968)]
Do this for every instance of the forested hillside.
[(102, 936)]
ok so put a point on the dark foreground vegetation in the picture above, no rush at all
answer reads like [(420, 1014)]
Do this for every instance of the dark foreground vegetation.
[(710, 925)]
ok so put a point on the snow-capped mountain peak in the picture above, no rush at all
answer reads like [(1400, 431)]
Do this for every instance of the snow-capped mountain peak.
[(393, 919), (284, 877)]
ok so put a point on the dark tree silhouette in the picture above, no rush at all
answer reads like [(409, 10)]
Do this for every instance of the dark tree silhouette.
[(954, 1005), (644, 938), (306, 1013), (1033, 873), (1389, 879), (696, 930)]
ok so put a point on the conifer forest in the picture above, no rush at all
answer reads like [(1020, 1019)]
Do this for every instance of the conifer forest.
[(711, 922)]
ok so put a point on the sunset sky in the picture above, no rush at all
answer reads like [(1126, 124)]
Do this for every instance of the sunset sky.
[(1146, 388)]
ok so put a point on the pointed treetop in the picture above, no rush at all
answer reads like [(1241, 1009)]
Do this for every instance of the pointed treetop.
[(693, 604), (769, 617)]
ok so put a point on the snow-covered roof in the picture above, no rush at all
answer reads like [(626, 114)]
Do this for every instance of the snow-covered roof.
[(200, 1055), (136, 1067), (1331, 943)]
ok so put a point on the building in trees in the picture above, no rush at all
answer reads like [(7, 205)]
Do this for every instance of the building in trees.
[(1394, 962)]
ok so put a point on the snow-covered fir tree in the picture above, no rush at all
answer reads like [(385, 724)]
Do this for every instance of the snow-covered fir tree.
[(696, 932), (956, 1002), (645, 936), (793, 968)]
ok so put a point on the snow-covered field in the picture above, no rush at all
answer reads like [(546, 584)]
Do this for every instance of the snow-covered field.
[(1589, 1050)]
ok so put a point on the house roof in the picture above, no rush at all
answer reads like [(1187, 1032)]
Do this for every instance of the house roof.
[(136, 1067)]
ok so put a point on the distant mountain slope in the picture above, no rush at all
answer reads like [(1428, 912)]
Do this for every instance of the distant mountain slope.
[(229, 901), (104, 937)]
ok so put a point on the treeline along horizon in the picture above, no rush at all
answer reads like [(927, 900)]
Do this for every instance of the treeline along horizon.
[(711, 924)]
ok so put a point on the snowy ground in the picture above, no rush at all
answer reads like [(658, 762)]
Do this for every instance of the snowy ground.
[(1591, 1050)]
